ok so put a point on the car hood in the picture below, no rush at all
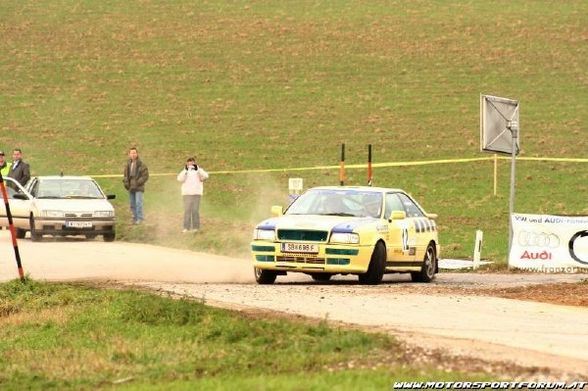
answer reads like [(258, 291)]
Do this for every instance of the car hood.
[(316, 222), (73, 205)]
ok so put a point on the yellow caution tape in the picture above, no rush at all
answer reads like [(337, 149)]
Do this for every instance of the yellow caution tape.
[(364, 165)]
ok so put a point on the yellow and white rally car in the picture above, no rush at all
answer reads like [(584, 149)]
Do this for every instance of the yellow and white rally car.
[(368, 231)]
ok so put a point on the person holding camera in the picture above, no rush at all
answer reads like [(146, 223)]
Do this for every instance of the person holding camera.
[(192, 178)]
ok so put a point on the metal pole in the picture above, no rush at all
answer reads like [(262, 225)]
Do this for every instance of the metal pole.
[(495, 174), (515, 135), (12, 230), (370, 175), (342, 166)]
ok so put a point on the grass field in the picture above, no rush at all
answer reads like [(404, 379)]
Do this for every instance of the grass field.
[(58, 336), (268, 84)]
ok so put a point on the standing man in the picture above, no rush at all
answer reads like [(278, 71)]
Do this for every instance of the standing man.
[(4, 165), (135, 176), (19, 170), (192, 178)]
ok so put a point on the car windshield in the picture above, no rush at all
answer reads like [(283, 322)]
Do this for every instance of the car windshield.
[(68, 188), (344, 202)]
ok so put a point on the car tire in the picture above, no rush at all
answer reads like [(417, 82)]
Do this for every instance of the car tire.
[(264, 277), (20, 233), (321, 277), (429, 268), (377, 266), (109, 237), (36, 235)]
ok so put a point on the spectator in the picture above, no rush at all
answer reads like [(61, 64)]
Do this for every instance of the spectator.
[(4, 165), (192, 178), (20, 170), (135, 175)]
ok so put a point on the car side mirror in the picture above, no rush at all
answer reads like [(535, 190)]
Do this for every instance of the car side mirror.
[(398, 215), (277, 210), (110, 196), (20, 196), (432, 216)]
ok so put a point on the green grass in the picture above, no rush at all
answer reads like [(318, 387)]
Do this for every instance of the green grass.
[(271, 84), (64, 336)]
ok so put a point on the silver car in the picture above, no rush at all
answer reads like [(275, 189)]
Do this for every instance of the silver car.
[(60, 206)]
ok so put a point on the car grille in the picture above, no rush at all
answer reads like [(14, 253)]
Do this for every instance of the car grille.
[(301, 234), (301, 259), (78, 214)]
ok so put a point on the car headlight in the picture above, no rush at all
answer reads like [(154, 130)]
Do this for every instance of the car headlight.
[(103, 213), (52, 213), (264, 234), (339, 237)]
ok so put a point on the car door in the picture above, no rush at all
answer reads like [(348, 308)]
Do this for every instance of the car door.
[(421, 226), (401, 238), (19, 201)]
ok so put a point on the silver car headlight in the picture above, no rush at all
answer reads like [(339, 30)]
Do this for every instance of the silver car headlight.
[(264, 234), (347, 238), (103, 213), (53, 213)]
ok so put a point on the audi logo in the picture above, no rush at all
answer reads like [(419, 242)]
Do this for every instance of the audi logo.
[(538, 239), (573, 254)]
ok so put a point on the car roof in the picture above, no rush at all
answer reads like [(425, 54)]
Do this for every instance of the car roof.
[(65, 177), (359, 188)]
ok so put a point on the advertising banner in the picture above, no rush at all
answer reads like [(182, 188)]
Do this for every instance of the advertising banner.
[(549, 243)]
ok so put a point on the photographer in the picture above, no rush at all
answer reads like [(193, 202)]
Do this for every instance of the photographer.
[(192, 178)]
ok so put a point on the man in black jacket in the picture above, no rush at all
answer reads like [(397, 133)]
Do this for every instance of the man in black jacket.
[(20, 170), (135, 176)]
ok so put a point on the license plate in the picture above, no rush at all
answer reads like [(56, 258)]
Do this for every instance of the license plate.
[(78, 224), (300, 248)]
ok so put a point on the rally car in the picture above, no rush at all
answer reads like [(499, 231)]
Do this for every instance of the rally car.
[(367, 231)]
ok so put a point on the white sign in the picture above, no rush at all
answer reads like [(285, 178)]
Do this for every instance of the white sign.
[(549, 243), (295, 185)]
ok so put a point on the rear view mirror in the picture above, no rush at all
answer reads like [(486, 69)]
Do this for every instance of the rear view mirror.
[(277, 210), (432, 216), (20, 196), (398, 215), (110, 196)]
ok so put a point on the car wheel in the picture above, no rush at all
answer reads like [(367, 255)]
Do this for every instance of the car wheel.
[(427, 273), (35, 234), (321, 277), (264, 277), (377, 266), (20, 233), (109, 237)]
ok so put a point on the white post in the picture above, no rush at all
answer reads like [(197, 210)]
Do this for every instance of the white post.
[(478, 249)]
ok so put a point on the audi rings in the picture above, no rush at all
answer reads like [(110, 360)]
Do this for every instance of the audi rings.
[(577, 235), (538, 239)]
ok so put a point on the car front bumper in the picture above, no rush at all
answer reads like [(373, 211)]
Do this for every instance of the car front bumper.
[(80, 226), (331, 258)]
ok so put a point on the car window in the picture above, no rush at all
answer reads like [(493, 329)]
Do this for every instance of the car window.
[(342, 202), (393, 203), (412, 210), (67, 188)]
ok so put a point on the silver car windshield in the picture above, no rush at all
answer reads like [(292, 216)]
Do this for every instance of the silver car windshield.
[(332, 202), (68, 188)]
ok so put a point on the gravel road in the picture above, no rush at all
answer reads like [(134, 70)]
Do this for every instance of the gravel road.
[(447, 314)]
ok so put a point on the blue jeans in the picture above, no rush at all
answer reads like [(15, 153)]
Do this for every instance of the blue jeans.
[(136, 198)]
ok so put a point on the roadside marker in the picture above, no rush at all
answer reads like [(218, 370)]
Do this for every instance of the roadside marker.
[(11, 225)]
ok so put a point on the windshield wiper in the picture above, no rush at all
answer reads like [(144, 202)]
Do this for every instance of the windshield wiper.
[(81, 197), (49, 197), (339, 214)]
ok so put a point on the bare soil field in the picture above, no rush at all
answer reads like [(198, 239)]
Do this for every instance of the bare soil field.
[(516, 323)]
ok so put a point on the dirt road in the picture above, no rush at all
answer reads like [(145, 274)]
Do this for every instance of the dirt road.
[(449, 314)]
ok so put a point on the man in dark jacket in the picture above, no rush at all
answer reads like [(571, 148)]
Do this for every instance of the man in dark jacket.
[(19, 171), (135, 176)]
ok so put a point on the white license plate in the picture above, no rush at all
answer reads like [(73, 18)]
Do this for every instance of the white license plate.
[(300, 248), (78, 224)]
